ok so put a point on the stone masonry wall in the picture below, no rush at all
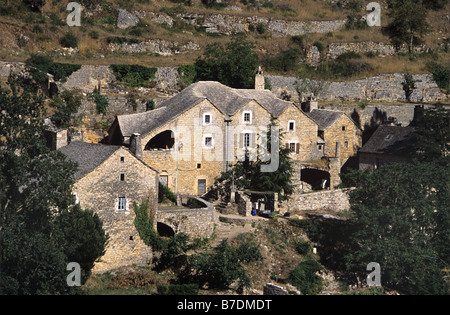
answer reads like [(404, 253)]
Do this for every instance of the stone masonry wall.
[(99, 191), (198, 222), (383, 87), (335, 200)]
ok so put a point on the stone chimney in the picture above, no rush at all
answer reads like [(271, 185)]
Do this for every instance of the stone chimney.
[(259, 79), (311, 104), (135, 145)]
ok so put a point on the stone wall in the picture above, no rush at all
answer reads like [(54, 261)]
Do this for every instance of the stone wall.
[(99, 191), (198, 222), (334, 200), (383, 87), (229, 23), (88, 77)]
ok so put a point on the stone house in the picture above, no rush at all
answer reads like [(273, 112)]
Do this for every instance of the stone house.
[(195, 135), (108, 181), (388, 144), (339, 136)]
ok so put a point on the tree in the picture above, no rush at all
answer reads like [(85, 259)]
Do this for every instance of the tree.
[(401, 220), (409, 22), (233, 65), (66, 105), (38, 219), (247, 174), (408, 85), (430, 141)]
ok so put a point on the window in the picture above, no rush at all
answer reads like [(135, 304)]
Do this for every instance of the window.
[(208, 141), (206, 118), (122, 176), (291, 125), (343, 128), (247, 140), (75, 198), (346, 144), (247, 117), (199, 165), (292, 147), (122, 203), (164, 179), (122, 159)]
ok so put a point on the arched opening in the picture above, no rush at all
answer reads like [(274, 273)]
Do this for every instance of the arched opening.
[(163, 140), (164, 230), (317, 179)]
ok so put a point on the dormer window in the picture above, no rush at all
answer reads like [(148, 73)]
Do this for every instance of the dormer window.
[(207, 118), (247, 117)]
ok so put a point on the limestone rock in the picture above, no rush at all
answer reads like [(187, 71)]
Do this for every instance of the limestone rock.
[(125, 19)]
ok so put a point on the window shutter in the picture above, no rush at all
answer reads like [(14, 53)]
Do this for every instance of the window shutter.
[(252, 140), (241, 140), (287, 146), (297, 148)]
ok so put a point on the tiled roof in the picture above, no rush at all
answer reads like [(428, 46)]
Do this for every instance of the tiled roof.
[(389, 140), (227, 100), (88, 155)]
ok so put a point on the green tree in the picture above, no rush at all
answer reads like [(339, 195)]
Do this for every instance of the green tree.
[(220, 267), (246, 174), (430, 141), (408, 22), (233, 65), (66, 105), (401, 220), (408, 85), (35, 196)]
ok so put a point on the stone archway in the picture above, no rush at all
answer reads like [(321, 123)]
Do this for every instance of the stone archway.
[(164, 229), (163, 140), (316, 178)]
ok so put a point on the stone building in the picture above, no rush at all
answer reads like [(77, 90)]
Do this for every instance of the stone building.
[(108, 181), (195, 135), (339, 136), (388, 144)]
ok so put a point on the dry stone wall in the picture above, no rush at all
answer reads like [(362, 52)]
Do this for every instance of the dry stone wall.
[(383, 87), (334, 200)]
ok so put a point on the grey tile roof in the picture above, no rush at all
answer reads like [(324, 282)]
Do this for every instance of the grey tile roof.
[(389, 140), (324, 118), (226, 99), (88, 155)]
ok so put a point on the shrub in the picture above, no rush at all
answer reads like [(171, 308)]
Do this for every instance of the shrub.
[(441, 74), (133, 75), (304, 277), (101, 102), (164, 193), (303, 247), (69, 40)]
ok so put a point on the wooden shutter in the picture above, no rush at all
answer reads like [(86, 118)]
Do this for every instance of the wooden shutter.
[(297, 148), (241, 140), (252, 140)]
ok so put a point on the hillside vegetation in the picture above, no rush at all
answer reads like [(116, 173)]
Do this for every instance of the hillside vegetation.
[(39, 26)]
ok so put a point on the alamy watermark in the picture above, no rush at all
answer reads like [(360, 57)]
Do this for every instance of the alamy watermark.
[(74, 278), (374, 278)]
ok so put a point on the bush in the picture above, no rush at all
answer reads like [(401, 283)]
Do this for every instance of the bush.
[(69, 40), (304, 277), (285, 61), (133, 75), (101, 103), (44, 64), (164, 194), (441, 74), (303, 247)]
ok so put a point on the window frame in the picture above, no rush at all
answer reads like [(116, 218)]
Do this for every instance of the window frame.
[(204, 118), (289, 126), (204, 146), (250, 117)]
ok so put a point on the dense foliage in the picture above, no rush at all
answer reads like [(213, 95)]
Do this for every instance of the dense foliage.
[(233, 64), (41, 228)]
